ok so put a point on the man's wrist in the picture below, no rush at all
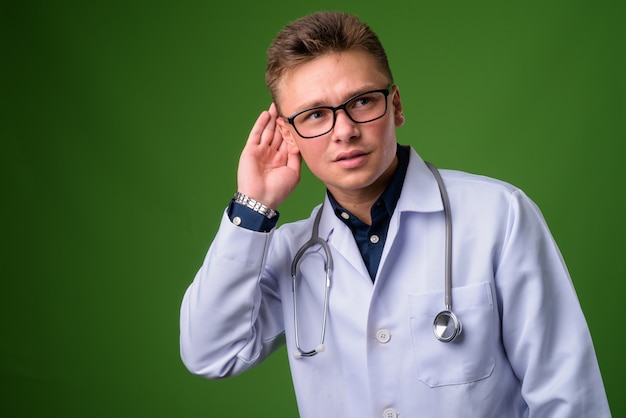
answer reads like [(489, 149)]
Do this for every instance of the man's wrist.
[(256, 206), (247, 218)]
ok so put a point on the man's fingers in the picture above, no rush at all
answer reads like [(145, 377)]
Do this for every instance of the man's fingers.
[(269, 133), (259, 127), (265, 130), (294, 159), (277, 138)]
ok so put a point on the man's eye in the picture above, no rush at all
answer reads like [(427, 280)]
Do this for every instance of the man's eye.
[(363, 101), (367, 100), (316, 115)]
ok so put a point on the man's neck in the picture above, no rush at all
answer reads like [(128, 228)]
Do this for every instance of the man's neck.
[(359, 202)]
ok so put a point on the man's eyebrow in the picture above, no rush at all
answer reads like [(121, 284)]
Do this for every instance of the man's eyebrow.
[(348, 96), (308, 105)]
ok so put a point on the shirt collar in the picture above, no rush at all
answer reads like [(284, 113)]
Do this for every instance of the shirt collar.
[(389, 198), (420, 194)]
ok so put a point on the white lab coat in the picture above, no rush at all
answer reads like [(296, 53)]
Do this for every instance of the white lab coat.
[(525, 349)]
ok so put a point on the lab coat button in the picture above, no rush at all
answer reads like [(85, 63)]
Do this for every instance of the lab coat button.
[(390, 413), (374, 239), (383, 336), (345, 215), (237, 220)]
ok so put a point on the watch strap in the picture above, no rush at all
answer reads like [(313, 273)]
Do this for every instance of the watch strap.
[(256, 206)]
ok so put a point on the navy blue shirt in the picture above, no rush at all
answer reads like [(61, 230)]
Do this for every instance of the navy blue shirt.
[(369, 238)]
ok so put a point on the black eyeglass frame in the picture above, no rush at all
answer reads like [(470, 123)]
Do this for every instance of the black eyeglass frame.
[(342, 106)]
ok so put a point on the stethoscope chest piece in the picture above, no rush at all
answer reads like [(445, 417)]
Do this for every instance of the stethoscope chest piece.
[(447, 326)]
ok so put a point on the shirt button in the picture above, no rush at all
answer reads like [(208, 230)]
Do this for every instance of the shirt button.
[(237, 220), (383, 336), (345, 215), (390, 413), (374, 239)]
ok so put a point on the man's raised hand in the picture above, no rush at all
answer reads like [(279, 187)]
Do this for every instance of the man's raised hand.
[(269, 168)]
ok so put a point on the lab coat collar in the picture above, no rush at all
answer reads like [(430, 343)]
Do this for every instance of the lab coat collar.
[(420, 193)]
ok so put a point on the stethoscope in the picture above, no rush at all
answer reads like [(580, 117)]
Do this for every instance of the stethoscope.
[(446, 325)]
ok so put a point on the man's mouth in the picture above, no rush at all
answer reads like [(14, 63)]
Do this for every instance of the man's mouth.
[(349, 155), (352, 159)]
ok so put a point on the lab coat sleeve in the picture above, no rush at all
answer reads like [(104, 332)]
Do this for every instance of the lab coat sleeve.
[(543, 328), (230, 317)]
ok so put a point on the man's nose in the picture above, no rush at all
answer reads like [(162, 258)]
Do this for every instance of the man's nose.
[(345, 128)]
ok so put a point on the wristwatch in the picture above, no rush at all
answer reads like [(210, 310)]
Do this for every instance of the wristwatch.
[(259, 207)]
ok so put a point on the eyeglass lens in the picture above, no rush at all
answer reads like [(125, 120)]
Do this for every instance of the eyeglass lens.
[(363, 108)]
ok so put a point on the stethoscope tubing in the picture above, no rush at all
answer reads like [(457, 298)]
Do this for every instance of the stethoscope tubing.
[(328, 266), (446, 325), (448, 222), (441, 325)]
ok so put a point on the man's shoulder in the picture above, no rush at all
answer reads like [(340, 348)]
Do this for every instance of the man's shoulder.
[(463, 179)]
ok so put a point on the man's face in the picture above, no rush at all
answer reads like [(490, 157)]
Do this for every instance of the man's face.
[(352, 158)]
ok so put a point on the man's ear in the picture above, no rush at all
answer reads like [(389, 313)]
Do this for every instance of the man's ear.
[(287, 134), (398, 114)]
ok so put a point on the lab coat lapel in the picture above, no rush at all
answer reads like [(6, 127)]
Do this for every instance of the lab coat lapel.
[(420, 193), (341, 240)]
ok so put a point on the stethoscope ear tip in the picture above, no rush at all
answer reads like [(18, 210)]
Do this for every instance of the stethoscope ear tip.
[(320, 348), (297, 354)]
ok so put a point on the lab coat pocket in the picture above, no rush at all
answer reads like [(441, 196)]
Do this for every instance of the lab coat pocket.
[(471, 356)]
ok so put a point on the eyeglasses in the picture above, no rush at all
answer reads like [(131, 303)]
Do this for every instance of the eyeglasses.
[(362, 108)]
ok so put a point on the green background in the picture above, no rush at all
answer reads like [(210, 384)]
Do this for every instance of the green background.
[(121, 127)]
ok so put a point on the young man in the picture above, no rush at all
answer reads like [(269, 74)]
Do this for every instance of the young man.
[(366, 346)]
